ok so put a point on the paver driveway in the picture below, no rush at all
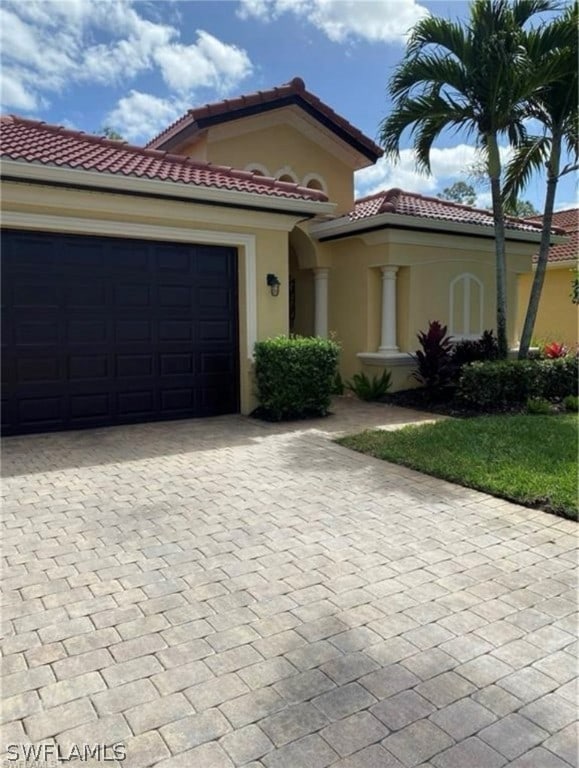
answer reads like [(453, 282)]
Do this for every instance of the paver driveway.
[(223, 592)]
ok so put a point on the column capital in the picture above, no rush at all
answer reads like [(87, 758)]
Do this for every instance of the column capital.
[(321, 272), (389, 272)]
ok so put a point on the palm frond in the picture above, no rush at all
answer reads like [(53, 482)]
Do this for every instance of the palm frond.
[(528, 158)]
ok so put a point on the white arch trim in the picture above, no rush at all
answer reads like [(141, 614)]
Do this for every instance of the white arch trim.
[(315, 177), (466, 278), (287, 171), (259, 168)]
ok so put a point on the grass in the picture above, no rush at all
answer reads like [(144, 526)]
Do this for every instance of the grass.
[(529, 459)]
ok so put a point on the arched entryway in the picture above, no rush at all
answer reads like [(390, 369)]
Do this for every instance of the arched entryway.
[(308, 299)]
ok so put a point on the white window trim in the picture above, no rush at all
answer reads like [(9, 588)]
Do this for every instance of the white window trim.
[(287, 171), (465, 333), (131, 230), (252, 167), (315, 177)]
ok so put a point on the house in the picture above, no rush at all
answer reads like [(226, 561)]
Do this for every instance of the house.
[(137, 280), (557, 318)]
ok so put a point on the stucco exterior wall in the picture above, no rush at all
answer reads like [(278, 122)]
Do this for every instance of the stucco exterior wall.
[(558, 317), (266, 235), (281, 147), (428, 264)]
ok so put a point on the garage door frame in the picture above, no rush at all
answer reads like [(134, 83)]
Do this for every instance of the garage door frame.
[(244, 242)]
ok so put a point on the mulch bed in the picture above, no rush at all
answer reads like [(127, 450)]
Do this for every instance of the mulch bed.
[(447, 404)]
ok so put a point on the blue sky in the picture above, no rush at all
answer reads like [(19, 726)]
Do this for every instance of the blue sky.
[(136, 66)]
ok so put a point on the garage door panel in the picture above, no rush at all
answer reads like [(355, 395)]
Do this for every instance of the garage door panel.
[(100, 331), (177, 363), (90, 406), (177, 296), (38, 368), (41, 410), (30, 333), (88, 367), (134, 365), (87, 331), (85, 297)]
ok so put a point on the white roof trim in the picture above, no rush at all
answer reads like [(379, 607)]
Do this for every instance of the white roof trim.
[(97, 179), (345, 226)]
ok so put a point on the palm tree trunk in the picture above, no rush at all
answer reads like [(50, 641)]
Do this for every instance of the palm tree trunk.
[(501, 262), (543, 258)]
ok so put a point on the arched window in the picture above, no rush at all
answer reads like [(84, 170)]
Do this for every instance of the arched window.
[(466, 306), (315, 181), (258, 169), (286, 174)]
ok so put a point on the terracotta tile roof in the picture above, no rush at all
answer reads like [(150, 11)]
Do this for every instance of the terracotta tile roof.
[(412, 204), (569, 222), (293, 92), (31, 141)]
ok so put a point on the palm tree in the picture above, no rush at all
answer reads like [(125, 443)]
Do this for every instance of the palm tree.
[(473, 78), (554, 46)]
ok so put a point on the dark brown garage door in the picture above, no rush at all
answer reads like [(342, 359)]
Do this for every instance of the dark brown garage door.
[(99, 331)]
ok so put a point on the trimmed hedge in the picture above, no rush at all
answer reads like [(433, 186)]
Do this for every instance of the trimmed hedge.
[(509, 382), (295, 376)]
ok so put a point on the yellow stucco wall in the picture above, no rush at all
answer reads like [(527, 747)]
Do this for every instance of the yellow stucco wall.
[(90, 212), (428, 263), (280, 146), (558, 317)]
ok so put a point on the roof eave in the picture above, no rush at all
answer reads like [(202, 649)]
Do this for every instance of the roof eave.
[(192, 126), (106, 181), (344, 227)]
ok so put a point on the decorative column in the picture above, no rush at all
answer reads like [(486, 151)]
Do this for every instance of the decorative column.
[(321, 302), (388, 335)]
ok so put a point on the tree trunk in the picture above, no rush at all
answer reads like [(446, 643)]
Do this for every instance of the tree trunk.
[(543, 258), (501, 263)]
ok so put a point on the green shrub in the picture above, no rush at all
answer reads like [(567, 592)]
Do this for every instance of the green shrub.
[(370, 389), (471, 350), (294, 376), (511, 382), (571, 403), (539, 406)]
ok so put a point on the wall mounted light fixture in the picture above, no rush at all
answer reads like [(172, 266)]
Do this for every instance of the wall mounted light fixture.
[(273, 283)]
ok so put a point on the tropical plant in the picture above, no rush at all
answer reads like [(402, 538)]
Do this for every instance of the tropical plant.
[(370, 389), (551, 48), (555, 350), (435, 366), (474, 77)]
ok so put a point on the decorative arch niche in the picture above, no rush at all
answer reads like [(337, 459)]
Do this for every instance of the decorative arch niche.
[(466, 306), (258, 169), (315, 181)]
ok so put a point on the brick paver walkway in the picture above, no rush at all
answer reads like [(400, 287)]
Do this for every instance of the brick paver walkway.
[(223, 593)]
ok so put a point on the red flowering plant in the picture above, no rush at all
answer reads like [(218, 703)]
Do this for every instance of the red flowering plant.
[(555, 350)]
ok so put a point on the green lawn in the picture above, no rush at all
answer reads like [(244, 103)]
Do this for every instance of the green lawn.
[(528, 459)]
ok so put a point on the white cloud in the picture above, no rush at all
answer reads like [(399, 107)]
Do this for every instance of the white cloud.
[(383, 21), (209, 63), (566, 205), (448, 164), (49, 45), (143, 115)]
